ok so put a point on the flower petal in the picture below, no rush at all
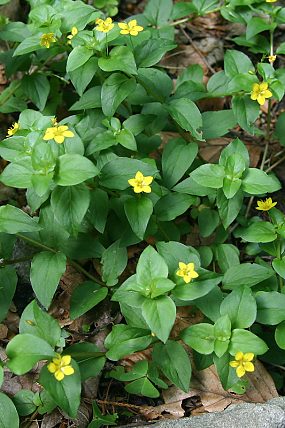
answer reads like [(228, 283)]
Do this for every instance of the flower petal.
[(123, 25), (68, 134), (51, 367), (65, 360), (59, 139), (67, 370), (239, 356), (240, 371), (248, 366), (249, 356), (59, 375), (234, 364)]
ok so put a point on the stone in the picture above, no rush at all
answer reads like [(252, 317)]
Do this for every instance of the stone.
[(249, 415)]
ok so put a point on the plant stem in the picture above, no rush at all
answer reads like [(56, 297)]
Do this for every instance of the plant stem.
[(4, 262)]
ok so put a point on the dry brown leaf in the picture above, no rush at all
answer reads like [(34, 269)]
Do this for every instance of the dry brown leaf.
[(207, 386)]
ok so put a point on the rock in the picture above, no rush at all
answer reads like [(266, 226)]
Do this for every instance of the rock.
[(249, 415)]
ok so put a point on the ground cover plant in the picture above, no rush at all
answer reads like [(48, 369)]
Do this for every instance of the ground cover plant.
[(111, 184)]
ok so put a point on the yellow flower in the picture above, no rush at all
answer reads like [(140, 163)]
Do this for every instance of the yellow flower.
[(58, 133), (141, 183), (47, 39), (13, 129), (131, 27), (60, 367), (260, 92), (265, 205), (271, 1), (242, 363), (187, 272), (74, 31), (104, 26), (272, 58)]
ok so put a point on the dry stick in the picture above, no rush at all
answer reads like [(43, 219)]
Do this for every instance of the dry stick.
[(275, 164), (197, 50)]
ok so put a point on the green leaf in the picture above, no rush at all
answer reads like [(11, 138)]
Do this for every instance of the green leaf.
[(99, 420), (246, 274), (159, 314), (8, 283), (222, 332), (88, 357), (18, 174), (207, 227), (279, 266), (229, 208), (29, 44), (25, 350), (124, 340), (142, 387), (200, 287), (74, 169), (257, 182), (261, 231), (114, 261), (236, 147), (90, 99), (174, 362), (115, 89), (280, 335), (85, 297), (37, 87), (39, 323), (151, 52), (227, 255), (175, 252), (138, 212), (47, 268), (78, 57), (226, 374), (65, 393), (70, 205), (157, 84), (246, 112), (24, 402), (237, 62), (217, 123), (116, 173), (187, 115), (13, 220), (82, 76), (246, 341), (270, 307), (200, 337), (150, 266), (257, 25), (158, 12), (170, 206), (209, 175), (177, 157), (240, 306), (8, 414), (99, 207), (121, 58)]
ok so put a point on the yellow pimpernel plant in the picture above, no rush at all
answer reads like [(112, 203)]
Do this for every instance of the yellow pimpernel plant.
[(60, 367), (58, 133), (104, 26), (243, 363), (131, 27), (187, 271), (260, 92), (140, 183), (13, 129), (47, 39), (265, 205), (74, 31)]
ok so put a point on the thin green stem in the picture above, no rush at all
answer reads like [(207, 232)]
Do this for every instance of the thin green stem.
[(72, 262), (4, 262)]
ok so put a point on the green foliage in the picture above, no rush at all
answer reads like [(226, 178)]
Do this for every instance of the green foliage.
[(110, 198)]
